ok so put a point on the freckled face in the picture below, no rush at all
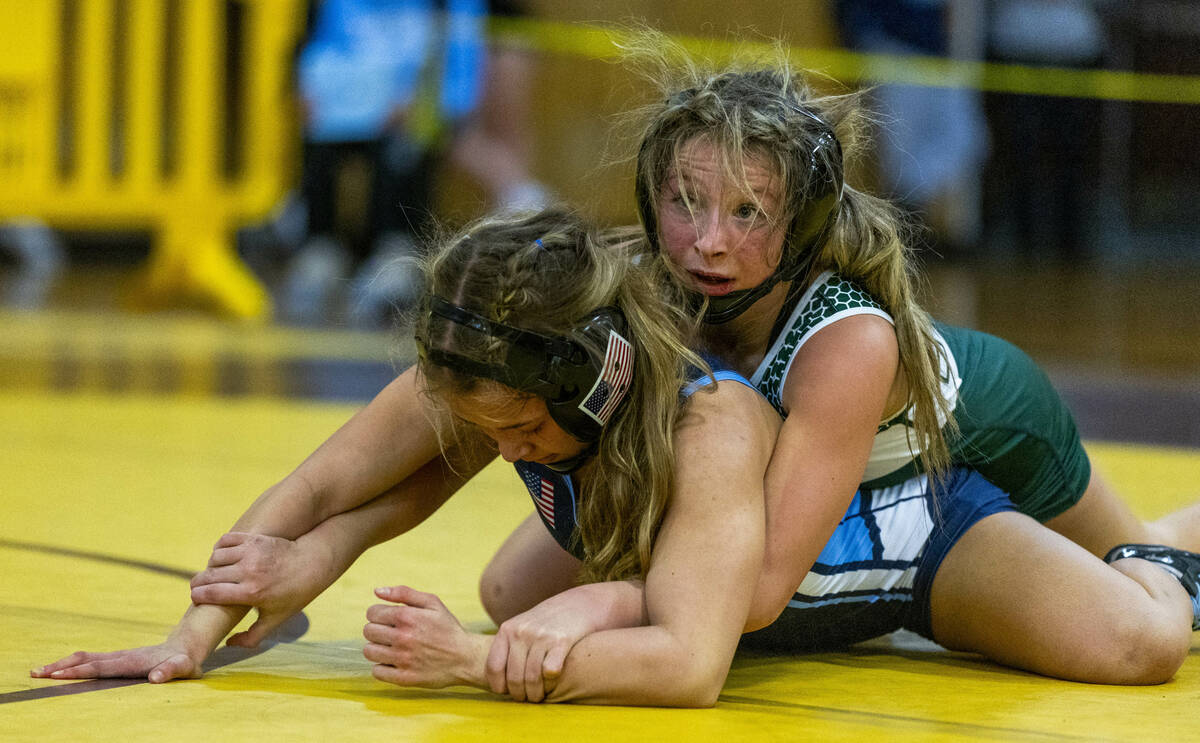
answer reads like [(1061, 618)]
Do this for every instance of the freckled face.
[(724, 233), (520, 425)]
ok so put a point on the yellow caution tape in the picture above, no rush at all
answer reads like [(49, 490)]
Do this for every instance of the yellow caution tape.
[(597, 42)]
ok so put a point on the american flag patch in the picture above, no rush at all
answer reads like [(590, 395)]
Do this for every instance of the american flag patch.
[(610, 388), (542, 491)]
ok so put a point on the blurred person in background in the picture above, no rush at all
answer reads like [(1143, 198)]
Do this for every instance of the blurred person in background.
[(38, 260), (1043, 173), (933, 140), (385, 82), (495, 145)]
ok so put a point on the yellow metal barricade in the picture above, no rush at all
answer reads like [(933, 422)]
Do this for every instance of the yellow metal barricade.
[(173, 116)]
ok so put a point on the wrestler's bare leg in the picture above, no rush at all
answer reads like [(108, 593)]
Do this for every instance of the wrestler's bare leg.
[(1101, 521)]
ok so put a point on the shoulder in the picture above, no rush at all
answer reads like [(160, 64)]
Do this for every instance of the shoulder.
[(723, 443), (857, 335), (728, 416), (856, 351), (831, 308), (843, 321)]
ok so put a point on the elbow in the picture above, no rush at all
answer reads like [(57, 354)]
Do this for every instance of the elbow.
[(763, 615), (689, 696), (690, 680), (699, 686), (769, 601), (704, 698)]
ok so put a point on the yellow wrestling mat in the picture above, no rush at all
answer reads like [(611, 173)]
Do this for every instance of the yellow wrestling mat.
[(110, 500)]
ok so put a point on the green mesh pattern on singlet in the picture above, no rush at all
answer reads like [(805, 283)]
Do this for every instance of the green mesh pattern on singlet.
[(836, 295)]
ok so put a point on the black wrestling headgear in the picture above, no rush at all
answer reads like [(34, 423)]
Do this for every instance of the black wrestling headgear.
[(583, 378), (808, 229)]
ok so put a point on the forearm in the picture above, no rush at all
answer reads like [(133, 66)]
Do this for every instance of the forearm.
[(613, 604), (640, 666), (202, 628), (310, 495), (298, 504), (399, 509), (287, 509), (381, 445), (341, 539)]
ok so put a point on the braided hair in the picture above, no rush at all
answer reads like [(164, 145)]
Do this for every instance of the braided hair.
[(542, 273)]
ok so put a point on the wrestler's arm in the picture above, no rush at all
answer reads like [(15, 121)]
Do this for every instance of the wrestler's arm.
[(705, 561), (835, 395), (697, 591), (279, 577), (383, 444)]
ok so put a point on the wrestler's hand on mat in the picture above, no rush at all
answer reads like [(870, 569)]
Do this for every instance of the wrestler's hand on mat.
[(527, 654), (416, 641), (529, 650), (158, 663), (278, 577)]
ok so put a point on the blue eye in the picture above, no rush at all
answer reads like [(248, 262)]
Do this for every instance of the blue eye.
[(746, 211)]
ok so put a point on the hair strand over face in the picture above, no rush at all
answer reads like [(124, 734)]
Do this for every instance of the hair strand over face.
[(764, 109)]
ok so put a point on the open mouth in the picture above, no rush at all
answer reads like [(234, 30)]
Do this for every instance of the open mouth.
[(712, 284)]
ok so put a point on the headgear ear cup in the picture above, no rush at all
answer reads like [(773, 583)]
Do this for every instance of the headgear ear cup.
[(584, 377), (822, 200), (602, 384)]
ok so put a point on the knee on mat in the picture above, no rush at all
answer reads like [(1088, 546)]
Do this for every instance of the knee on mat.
[(494, 594), (1150, 652)]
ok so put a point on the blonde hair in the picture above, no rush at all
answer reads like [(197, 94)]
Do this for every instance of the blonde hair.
[(766, 110), (543, 273)]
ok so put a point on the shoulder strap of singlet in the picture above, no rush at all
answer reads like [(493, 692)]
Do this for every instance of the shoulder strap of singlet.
[(718, 375), (829, 298), (794, 294)]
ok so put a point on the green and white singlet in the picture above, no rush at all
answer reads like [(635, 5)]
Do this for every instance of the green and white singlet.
[(1013, 426)]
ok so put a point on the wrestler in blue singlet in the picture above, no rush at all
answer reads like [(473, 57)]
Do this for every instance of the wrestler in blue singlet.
[(875, 573)]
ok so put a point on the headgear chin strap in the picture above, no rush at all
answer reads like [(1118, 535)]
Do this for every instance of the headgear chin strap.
[(583, 384), (722, 309), (806, 233)]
